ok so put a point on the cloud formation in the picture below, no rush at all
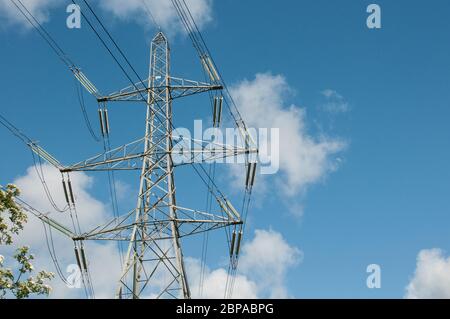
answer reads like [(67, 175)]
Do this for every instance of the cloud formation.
[(163, 12), (266, 260), (38, 8), (264, 263), (262, 270), (431, 279), (215, 280), (304, 159), (144, 12), (91, 212)]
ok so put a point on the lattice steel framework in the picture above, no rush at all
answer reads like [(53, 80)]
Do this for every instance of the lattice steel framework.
[(153, 265)]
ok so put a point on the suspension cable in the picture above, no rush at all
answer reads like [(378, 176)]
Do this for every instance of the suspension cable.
[(150, 14), (80, 97), (43, 32), (103, 42)]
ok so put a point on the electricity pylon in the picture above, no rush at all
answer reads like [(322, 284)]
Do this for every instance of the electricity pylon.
[(153, 264), (155, 238)]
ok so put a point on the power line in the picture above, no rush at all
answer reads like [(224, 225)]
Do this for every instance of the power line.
[(199, 44), (121, 52), (43, 32), (151, 16), (157, 216), (46, 36), (112, 54), (80, 97), (113, 41)]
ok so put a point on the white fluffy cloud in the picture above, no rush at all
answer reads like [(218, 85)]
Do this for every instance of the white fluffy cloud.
[(215, 281), (304, 159), (262, 269), (91, 212), (264, 261), (39, 8), (130, 10), (431, 279), (162, 10)]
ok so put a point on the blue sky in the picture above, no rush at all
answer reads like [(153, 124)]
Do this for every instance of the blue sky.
[(388, 198)]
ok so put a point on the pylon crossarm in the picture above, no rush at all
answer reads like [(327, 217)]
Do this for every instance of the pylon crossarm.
[(182, 87), (123, 157), (194, 215), (134, 161), (130, 93), (189, 151), (186, 228), (201, 144), (126, 157), (178, 88), (190, 222), (207, 156), (129, 156)]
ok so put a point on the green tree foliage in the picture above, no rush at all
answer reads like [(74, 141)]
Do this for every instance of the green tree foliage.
[(18, 283)]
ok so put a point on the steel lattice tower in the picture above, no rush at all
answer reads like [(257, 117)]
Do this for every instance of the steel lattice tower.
[(153, 265), (152, 231), (148, 250), (154, 259)]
